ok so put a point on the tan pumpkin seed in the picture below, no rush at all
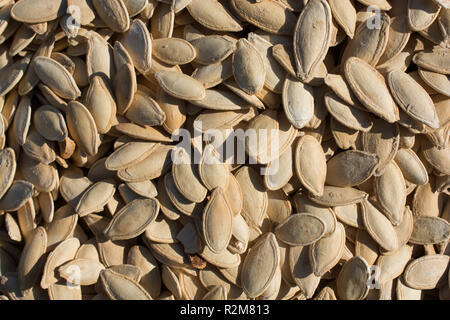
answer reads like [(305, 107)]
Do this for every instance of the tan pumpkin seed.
[(370, 88), (82, 128), (393, 265), (173, 51), (16, 196), (63, 253), (310, 164), (379, 227), (300, 229), (436, 61), (212, 172), (55, 76), (420, 106), (7, 169), (162, 22), (430, 230), (326, 253), (137, 42), (50, 123), (89, 271), (180, 86), (302, 273), (254, 197), (427, 272), (213, 15), (390, 190), (412, 168), (352, 280), (38, 11), (248, 67), (132, 220), (437, 81), (255, 275), (217, 221), (298, 102), (119, 287), (369, 43), (345, 14), (32, 259), (270, 16), (315, 18), (382, 140), (113, 13), (95, 197), (350, 168), (421, 14), (150, 271)]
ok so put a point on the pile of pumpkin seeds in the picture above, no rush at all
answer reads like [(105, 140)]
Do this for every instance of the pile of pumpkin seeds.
[(94, 92)]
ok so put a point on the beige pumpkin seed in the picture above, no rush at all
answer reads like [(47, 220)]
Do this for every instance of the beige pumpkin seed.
[(352, 280), (382, 140), (173, 51), (350, 168), (379, 227), (145, 111), (187, 180), (302, 273), (118, 287), (338, 196), (369, 43), (113, 13), (89, 271), (12, 74), (412, 168), (375, 97), (212, 49), (420, 106), (213, 15), (99, 60), (32, 259), (436, 60), (430, 230), (326, 253), (125, 86), (7, 169), (393, 265), (310, 164), (248, 67), (421, 14), (82, 128), (180, 86), (298, 102), (217, 221), (315, 18), (427, 272), (390, 190), (254, 196), (56, 77), (437, 81), (150, 271), (212, 172), (270, 16), (63, 253), (300, 229), (50, 123), (137, 42), (255, 276), (214, 74), (95, 197), (345, 14), (162, 22), (275, 74), (131, 221), (38, 11), (153, 166), (16, 196)]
